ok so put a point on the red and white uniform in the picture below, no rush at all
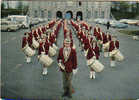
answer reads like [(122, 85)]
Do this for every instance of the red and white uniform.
[(69, 60), (114, 45)]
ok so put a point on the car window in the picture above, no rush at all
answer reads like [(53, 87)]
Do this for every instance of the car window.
[(4, 23)]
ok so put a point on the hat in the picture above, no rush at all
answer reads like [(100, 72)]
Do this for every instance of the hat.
[(67, 40)]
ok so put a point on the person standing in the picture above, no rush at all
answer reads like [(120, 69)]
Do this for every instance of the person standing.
[(114, 44), (108, 25), (67, 61)]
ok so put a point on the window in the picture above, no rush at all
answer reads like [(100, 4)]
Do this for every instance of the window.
[(49, 14), (89, 14), (96, 14), (102, 14), (42, 14), (35, 13), (80, 3)]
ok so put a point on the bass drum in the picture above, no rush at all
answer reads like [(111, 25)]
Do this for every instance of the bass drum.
[(46, 60), (91, 61), (55, 47), (106, 45), (119, 56), (35, 44), (28, 51), (52, 51), (97, 66)]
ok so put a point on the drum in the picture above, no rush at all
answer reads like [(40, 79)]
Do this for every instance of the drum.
[(135, 38), (113, 52), (28, 51), (106, 46), (97, 66), (46, 60), (52, 51), (119, 56), (35, 44), (55, 47), (90, 61)]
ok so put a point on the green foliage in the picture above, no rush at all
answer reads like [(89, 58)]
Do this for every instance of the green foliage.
[(6, 12), (130, 32), (2, 6), (125, 10)]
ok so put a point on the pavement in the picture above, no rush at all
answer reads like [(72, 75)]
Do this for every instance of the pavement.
[(25, 81)]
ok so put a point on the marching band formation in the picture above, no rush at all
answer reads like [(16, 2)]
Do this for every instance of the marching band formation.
[(92, 41)]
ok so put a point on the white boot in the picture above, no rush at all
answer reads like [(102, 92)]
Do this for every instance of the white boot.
[(94, 75), (28, 59), (106, 54), (112, 63), (44, 71), (91, 74)]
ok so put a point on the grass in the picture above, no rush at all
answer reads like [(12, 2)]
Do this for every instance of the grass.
[(130, 32)]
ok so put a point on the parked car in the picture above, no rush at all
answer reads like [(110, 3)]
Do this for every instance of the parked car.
[(41, 20), (132, 22), (117, 24), (129, 21), (9, 26), (34, 21), (22, 19), (123, 21), (98, 21)]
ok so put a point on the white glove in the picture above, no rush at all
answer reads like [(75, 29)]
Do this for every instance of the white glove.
[(75, 71), (61, 66)]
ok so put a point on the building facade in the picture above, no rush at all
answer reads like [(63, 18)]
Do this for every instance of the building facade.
[(83, 10)]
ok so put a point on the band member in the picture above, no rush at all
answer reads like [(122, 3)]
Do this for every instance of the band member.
[(108, 25), (90, 55), (114, 44), (41, 50), (96, 49), (24, 43), (105, 44), (67, 61), (96, 30)]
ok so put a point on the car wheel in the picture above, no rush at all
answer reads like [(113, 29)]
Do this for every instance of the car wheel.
[(8, 29), (23, 26)]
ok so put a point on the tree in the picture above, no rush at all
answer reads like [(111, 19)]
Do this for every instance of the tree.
[(19, 5), (2, 6)]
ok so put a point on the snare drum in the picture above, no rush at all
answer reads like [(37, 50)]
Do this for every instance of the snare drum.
[(97, 66), (35, 44), (55, 47), (46, 60), (119, 56), (28, 51), (52, 51)]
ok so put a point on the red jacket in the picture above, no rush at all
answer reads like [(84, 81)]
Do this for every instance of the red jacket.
[(71, 63), (30, 40), (41, 48), (39, 32), (96, 50), (24, 42), (96, 32), (113, 45), (90, 53), (35, 35), (105, 39), (86, 44), (46, 46)]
